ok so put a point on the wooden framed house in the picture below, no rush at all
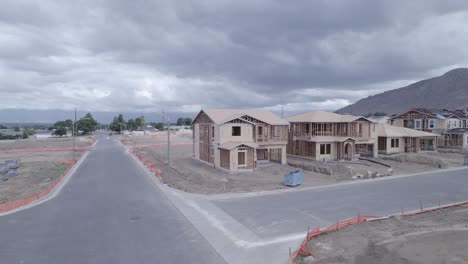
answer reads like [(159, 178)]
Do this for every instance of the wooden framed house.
[(239, 139), (437, 121), (323, 136), (394, 139)]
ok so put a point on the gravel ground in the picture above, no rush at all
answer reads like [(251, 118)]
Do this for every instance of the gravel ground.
[(433, 237)]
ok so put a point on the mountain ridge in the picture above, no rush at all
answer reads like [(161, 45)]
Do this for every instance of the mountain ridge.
[(448, 91)]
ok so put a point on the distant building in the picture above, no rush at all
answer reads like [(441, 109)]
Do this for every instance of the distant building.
[(179, 127), (238, 139), (437, 121)]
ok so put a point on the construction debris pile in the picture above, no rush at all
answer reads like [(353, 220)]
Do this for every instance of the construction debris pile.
[(8, 169)]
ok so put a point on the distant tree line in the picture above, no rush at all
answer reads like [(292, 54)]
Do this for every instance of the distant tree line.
[(187, 121), (119, 123), (85, 126)]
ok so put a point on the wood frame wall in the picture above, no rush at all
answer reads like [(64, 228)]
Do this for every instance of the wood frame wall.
[(338, 129), (225, 159)]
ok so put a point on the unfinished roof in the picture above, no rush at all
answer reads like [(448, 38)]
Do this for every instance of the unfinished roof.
[(386, 130), (322, 117), (221, 116)]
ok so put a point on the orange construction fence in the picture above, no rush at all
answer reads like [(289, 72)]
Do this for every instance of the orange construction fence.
[(148, 164), (303, 250), (11, 205)]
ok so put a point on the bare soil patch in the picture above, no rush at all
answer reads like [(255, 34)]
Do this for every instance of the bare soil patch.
[(190, 175), (434, 237), (37, 169), (58, 142)]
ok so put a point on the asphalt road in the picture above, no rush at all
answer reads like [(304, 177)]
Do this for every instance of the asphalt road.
[(109, 212), (286, 213)]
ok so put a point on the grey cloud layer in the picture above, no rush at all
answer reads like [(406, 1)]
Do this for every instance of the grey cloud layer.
[(183, 55)]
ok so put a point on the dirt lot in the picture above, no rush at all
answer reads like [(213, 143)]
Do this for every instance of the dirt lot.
[(36, 168), (192, 176), (434, 237), (58, 142)]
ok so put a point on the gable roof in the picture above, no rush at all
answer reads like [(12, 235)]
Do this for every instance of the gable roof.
[(432, 112), (221, 116), (230, 145), (323, 117), (386, 130)]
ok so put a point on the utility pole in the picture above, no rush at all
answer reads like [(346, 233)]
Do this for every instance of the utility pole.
[(73, 136), (168, 138), (282, 111), (168, 145)]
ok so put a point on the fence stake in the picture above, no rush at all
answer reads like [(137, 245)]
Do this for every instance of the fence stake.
[(420, 205)]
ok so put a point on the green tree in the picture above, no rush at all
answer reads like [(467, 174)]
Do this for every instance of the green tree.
[(140, 122), (117, 123), (180, 121), (131, 124), (158, 126), (69, 123), (187, 121), (60, 131), (87, 124)]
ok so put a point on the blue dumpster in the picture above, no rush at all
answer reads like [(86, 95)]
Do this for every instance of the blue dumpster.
[(293, 178), (466, 160)]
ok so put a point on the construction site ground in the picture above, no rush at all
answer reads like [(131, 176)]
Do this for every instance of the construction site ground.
[(38, 167), (189, 175), (433, 237)]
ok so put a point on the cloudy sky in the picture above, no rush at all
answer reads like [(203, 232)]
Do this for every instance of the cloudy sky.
[(141, 56)]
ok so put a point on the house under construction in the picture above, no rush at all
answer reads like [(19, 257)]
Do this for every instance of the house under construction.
[(237, 139), (323, 135)]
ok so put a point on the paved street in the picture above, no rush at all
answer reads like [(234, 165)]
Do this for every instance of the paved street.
[(270, 216), (109, 212), (112, 211)]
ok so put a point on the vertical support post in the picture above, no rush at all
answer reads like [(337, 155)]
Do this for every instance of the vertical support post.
[(168, 145), (73, 136)]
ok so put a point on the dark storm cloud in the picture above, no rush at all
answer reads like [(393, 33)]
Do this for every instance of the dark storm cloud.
[(183, 55)]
